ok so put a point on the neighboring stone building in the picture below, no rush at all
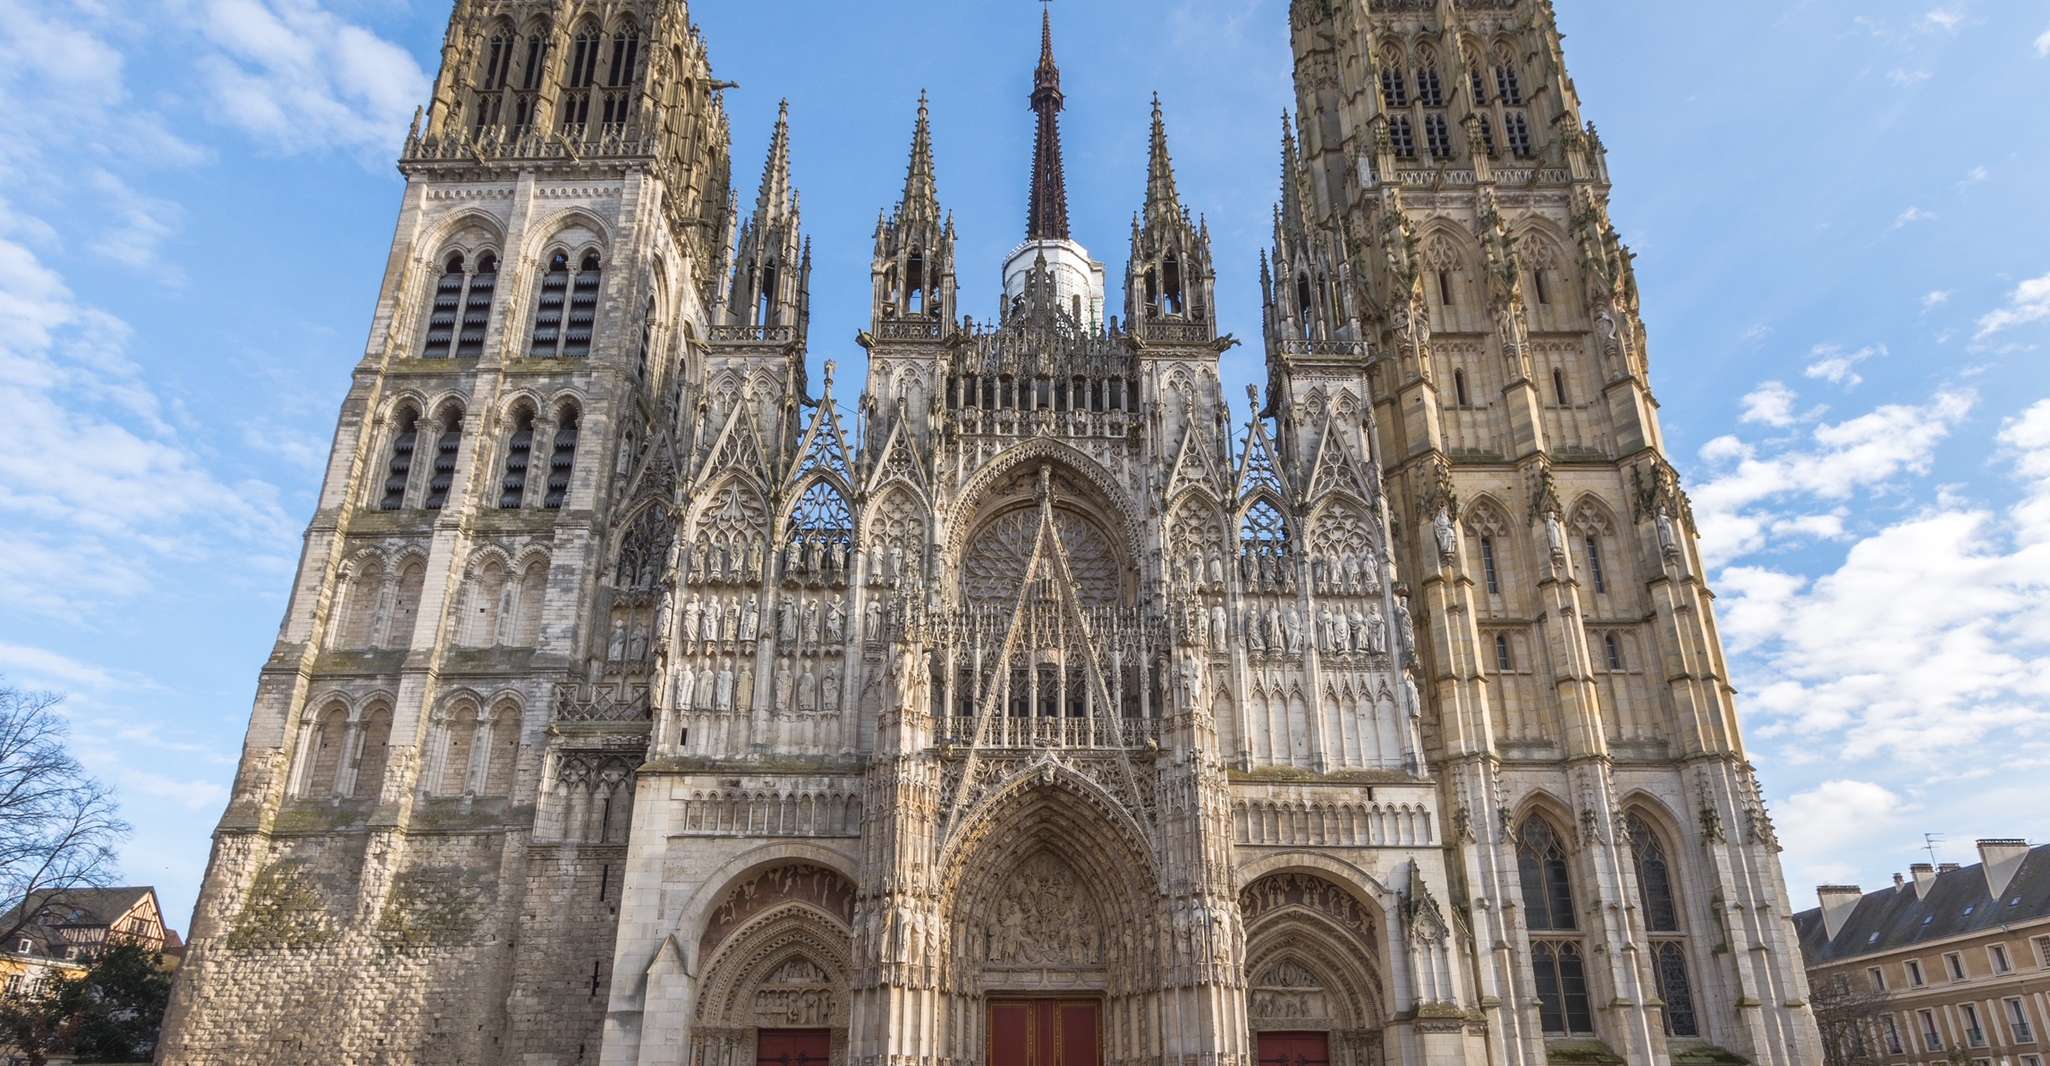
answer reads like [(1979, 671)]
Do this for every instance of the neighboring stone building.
[(631, 709), (1949, 965)]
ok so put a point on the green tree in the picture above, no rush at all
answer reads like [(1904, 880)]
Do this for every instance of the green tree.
[(109, 1013)]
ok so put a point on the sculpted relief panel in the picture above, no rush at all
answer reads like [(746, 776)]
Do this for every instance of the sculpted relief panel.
[(815, 885), (993, 567), (1040, 918)]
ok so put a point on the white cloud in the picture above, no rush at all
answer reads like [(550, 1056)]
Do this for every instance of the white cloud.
[(1822, 826), (1858, 455), (1928, 638), (1911, 216), (2030, 302), (1771, 404), (138, 226), (1975, 176), (2043, 45), (1946, 18), (1936, 298), (1907, 78), (1837, 366), (302, 78)]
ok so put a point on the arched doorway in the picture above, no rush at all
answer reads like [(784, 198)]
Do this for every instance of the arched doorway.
[(1314, 994), (777, 971)]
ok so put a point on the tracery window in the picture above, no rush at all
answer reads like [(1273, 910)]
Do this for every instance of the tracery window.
[(519, 455), (619, 76), (1503, 659), (644, 550), (578, 78), (562, 459), (1264, 530), (1508, 85), (1438, 136), (820, 540), (399, 470), (1519, 134), (1479, 85), (1394, 88), (462, 308), (1558, 962), (1487, 128), (1595, 572), (1430, 89), (1663, 919), (1488, 570), (1402, 136), (492, 80)]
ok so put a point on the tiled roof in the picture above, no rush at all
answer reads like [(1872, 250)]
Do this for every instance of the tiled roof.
[(85, 906), (1957, 904)]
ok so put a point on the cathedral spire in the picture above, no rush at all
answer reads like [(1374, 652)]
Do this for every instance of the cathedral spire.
[(921, 188), (1291, 175), (776, 194), (1049, 213), (1160, 190)]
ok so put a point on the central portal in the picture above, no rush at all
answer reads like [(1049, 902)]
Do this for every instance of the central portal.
[(1045, 1032)]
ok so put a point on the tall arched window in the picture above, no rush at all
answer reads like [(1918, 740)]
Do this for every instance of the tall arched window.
[(448, 303), (1558, 957), (1665, 923), (647, 340), (578, 78), (399, 470), (1488, 568), (1518, 126), (1171, 283), (448, 442), (519, 455), (483, 285), (495, 76), (620, 74), (1459, 388), (1394, 88), (562, 459), (462, 308), (566, 308)]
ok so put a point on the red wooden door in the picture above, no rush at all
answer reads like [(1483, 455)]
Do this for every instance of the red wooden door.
[(1045, 1032), (1295, 1049), (793, 1047)]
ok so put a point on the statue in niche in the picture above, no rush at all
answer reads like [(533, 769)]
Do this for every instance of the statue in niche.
[(750, 619), (707, 687), (807, 691), (1448, 538), (615, 650), (637, 644), (1274, 636), (791, 562), (1370, 568), (1219, 632), (1256, 638), (1555, 536), (665, 613), (1669, 538), (829, 693), (784, 686), (1377, 630), (1216, 570), (836, 621), (811, 556), (1292, 625), (1192, 680), (744, 689), (787, 622), (686, 691), (839, 559), (896, 573), (722, 693), (811, 623), (754, 560), (875, 620), (1405, 628), (1326, 635), (732, 630), (691, 612)]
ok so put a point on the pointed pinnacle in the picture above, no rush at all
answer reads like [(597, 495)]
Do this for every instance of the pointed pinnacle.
[(1160, 189), (775, 192), (921, 187)]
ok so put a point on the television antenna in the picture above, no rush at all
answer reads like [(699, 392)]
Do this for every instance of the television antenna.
[(1929, 842)]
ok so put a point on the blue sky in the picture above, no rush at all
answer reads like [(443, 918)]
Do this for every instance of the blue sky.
[(1846, 277)]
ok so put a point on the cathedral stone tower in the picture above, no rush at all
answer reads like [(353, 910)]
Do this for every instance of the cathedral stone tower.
[(630, 709)]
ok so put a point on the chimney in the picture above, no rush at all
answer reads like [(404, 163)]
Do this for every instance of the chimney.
[(1947, 867), (1838, 901), (1898, 882), (1925, 878), (2001, 859)]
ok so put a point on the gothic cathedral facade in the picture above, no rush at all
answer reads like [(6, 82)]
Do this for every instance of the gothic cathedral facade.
[(638, 704)]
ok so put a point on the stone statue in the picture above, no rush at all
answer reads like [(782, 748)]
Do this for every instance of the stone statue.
[(790, 561), (836, 621), (787, 622), (616, 649), (750, 619), (706, 684), (1256, 638), (692, 611), (1448, 539), (1192, 680), (1669, 539), (1377, 630), (744, 689), (1220, 633), (875, 620), (686, 692), (665, 612), (784, 685), (807, 692), (1293, 626), (1405, 628), (1326, 631), (722, 692), (1274, 636), (811, 623), (1555, 535), (829, 693), (732, 630)]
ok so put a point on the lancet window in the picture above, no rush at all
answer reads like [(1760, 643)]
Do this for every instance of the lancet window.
[(448, 443), (1665, 922), (519, 456), (579, 78), (620, 74), (566, 309), (1558, 954), (462, 308), (562, 458), (399, 468)]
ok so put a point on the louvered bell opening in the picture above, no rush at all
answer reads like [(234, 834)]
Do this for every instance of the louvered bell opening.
[(401, 468), (548, 314), (476, 315), (560, 464), (444, 470), (583, 312), (513, 490), (441, 319)]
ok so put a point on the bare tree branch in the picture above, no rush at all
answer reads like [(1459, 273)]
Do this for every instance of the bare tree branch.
[(58, 826)]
